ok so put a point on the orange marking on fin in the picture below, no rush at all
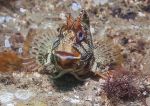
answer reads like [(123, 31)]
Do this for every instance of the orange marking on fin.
[(10, 61)]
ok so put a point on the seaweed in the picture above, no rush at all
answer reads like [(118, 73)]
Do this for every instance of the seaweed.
[(125, 86)]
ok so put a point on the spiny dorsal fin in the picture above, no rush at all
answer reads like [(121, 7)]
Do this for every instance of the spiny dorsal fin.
[(69, 21)]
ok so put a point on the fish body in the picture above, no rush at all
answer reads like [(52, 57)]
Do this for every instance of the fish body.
[(70, 49)]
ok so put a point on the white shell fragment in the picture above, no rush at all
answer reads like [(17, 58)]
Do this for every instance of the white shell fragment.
[(6, 19), (75, 6), (23, 10), (23, 94), (62, 16), (72, 100), (102, 2), (7, 43), (6, 97)]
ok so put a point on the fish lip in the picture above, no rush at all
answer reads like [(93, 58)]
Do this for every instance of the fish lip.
[(66, 55), (66, 60)]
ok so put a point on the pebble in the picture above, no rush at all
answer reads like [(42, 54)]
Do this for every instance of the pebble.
[(141, 14), (62, 16), (148, 100), (6, 97), (101, 81), (23, 94), (92, 30), (51, 6), (76, 96), (34, 26), (88, 98), (37, 75), (33, 102), (75, 6), (23, 10), (2, 19), (20, 50), (5, 19), (96, 105), (144, 93), (50, 93), (72, 100), (11, 104), (101, 2), (47, 25), (18, 75), (7, 43)]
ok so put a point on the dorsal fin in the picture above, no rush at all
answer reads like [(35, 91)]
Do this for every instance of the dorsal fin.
[(106, 52), (38, 44), (77, 24), (28, 41), (69, 21)]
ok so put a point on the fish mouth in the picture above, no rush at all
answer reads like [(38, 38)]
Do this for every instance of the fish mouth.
[(66, 59)]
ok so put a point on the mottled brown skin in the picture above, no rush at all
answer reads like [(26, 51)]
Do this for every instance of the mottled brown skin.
[(73, 54)]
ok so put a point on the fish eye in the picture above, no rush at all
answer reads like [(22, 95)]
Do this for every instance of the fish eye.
[(80, 36)]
